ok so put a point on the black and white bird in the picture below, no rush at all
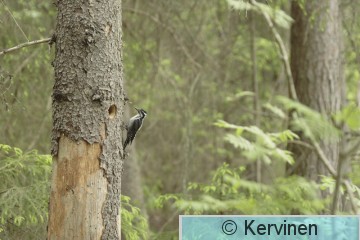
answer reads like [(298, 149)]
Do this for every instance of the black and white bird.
[(134, 125)]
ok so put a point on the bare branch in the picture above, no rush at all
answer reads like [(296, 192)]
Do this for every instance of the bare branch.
[(283, 51), (256, 103), (45, 40), (336, 194)]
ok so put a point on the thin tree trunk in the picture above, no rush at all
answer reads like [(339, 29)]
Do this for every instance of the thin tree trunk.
[(87, 119), (316, 62), (254, 79)]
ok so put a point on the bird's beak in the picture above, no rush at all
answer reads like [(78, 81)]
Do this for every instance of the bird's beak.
[(136, 109)]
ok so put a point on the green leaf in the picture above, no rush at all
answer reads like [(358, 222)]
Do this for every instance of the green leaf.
[(310, 122), (239, 142), (239, 95), (240, 4), (18, 220), (223, 124), (350, 115), (278, 16), (276, 110)]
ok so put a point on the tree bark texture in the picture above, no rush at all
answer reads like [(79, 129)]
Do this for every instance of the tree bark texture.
[(88, 103), (316, 63)]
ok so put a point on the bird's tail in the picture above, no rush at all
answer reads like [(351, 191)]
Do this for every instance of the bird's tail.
[(127, 141)]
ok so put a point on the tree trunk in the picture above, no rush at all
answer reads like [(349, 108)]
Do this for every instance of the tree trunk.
[(88, 102), (316, 62)]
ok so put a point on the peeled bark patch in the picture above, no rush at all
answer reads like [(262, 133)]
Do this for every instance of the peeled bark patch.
[(80, 191)]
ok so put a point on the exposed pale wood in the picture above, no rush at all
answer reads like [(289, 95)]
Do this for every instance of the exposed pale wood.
[(78, 192)]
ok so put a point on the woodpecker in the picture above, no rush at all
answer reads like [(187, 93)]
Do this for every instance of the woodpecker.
[(134, 125)]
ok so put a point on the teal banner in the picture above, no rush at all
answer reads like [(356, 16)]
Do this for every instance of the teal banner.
[(269, 227)]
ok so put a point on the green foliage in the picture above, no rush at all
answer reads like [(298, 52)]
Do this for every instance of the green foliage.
[(280, 17), (350, 115), (257, 144), (229, 193), (275, 110), (354, 175), (312, 123), (356, 190), (24, 186), (161, 200), (133, 224), (267, 55), (239, 95), (26, 92), (24, 195), (240, 5)]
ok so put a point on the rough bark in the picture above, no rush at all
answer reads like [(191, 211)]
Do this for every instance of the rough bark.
[(88, 102), (316, 62)]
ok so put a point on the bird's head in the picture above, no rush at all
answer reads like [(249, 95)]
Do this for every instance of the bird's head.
[(141, 112)]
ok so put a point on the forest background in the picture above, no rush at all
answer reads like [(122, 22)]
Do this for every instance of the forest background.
[(252, 109)]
